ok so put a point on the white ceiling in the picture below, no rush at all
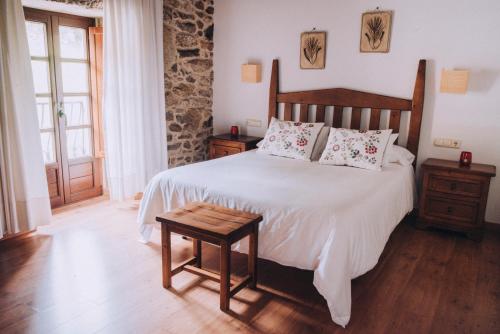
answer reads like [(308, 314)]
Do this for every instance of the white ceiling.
[(63, 8)]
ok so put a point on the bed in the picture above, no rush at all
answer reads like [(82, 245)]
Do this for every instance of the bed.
[(333, 220)]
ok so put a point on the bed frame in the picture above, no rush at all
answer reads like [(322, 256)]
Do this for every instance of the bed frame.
[(340, 98)]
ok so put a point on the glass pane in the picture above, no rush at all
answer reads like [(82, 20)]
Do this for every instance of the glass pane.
[(72, 42), (48, 147), (77, 111), (41, 76), (37, 38), (78, 142), (75, 77), (44, 110)]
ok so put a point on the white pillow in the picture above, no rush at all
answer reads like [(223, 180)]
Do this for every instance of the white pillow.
[(320, 144), (390, 144), (363, 149), (398, 154), (290, 139)]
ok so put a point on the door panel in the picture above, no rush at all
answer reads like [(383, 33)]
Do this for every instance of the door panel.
[(84, 169), (81, 183), (61, 73)]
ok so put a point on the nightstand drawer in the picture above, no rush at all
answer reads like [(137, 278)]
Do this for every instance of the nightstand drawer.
[(228, 143), (459, 211), (223, 145), (452, 186), (222, 151)]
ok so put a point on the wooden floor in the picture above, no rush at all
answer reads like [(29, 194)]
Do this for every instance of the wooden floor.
[(87, 273)]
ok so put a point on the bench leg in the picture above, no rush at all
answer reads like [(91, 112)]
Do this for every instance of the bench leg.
[(166, 256), (253, 247), (225, 275), (197, 251)]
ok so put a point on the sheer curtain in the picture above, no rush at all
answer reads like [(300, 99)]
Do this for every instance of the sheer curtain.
[(134, 102), (25, 201)]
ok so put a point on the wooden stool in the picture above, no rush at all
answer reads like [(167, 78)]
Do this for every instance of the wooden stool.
[(216, 225)]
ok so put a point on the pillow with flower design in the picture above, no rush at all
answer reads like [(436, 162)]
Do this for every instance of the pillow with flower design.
[(356, 148), (290, 139)]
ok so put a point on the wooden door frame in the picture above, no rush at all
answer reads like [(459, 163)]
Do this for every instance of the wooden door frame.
[(96, 71)]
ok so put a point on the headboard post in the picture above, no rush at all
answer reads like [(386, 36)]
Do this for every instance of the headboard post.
[(417, 107), (273, 91)]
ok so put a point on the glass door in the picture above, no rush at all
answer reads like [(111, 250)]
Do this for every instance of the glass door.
[(60, 60), (42, 65)]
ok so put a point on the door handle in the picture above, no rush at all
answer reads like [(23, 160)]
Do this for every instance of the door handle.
[(60, 109)]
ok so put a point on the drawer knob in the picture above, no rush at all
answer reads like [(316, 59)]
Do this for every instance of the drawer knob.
[(453, 186), (449, 209)]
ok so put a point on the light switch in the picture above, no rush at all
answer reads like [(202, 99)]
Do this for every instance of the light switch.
[(256, 123), (447, 142)]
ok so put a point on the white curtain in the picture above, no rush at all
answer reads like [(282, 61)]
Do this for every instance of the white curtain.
[(134, 97), (25, 201)]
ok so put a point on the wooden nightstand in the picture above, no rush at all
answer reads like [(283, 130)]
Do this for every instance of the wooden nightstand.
[(454, 197), (222, 145)]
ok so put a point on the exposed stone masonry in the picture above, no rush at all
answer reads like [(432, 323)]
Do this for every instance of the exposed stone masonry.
[(188, 58)]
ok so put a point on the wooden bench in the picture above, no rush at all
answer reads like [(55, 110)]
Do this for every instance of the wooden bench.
[(216, 225)]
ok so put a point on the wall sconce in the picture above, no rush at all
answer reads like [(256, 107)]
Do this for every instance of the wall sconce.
[(250, 73), (454, 81)]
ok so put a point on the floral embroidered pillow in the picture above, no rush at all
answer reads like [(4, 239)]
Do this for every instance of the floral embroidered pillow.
[(290, 139), (356, 148)]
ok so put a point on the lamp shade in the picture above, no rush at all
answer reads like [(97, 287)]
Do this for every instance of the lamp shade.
[(250, 73), (454, 81)]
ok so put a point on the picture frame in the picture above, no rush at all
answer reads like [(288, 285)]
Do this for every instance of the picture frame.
[(375, 32), (312, 50)]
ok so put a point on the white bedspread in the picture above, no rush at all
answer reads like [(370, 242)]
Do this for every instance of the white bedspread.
[(333, 220)]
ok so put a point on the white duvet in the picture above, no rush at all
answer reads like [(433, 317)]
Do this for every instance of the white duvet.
[(332, 220)]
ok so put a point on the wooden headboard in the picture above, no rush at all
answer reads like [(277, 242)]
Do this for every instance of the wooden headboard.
[(340, 100)]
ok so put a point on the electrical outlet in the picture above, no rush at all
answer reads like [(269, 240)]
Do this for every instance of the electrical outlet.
[(447, 142), (256, 123)]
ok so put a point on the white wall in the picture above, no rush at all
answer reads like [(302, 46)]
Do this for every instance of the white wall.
[(449, 33)]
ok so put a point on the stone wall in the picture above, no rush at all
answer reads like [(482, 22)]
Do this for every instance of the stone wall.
[(188, 57)]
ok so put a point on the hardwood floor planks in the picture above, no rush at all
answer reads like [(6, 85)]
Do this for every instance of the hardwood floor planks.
[(87, 273), (420, 296)]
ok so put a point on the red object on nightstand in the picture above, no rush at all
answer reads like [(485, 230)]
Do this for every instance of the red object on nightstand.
[(465, 158), (234, 131)]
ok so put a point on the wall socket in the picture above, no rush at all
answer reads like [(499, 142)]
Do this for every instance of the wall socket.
[(256, 123), (447, 142)]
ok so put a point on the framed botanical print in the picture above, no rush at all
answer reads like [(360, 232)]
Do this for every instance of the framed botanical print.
[(312, 50), (375, 31)]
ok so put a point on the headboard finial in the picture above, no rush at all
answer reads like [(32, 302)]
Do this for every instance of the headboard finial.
[(273, 91), (417, 108)]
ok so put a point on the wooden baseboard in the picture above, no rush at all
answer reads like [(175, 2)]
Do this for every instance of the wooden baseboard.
[(494, 227), (18, 236)]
